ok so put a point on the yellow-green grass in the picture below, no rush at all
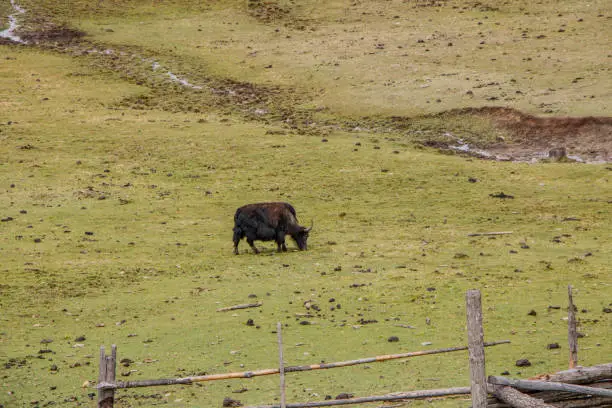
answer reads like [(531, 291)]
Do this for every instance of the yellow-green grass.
[(122, 217), (158, 256), (380, 58)]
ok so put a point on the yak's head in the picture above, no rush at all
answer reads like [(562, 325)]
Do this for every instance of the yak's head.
[(301, 237)]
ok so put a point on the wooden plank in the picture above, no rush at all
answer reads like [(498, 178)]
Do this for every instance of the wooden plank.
[(476, 349)]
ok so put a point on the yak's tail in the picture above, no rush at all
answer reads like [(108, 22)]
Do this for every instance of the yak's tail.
[(238, 234)]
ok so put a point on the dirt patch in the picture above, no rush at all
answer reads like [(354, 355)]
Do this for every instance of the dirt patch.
[(47, 32), (267, 11), (531, 137)]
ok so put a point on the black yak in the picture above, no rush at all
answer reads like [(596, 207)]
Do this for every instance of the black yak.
[(268, 222)]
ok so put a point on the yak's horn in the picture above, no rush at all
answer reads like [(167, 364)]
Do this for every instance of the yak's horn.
[(311, 225)]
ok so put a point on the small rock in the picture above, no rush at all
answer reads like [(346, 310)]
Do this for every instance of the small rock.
[(126, 362), (532, 313), (552, 346), (393, 339), (250, 322), (523, 362), (501, 195), (505, 372), (344, 395), (229, 402), (557, 153), (607, 310)]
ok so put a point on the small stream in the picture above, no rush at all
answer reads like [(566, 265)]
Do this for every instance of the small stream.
[(13, 24), (9, 33)]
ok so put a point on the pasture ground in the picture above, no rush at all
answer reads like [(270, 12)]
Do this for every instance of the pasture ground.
[(119, 187)]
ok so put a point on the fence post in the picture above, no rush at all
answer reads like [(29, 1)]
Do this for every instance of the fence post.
[(476, 349), (283, 401), (106, 396), (572, 335)]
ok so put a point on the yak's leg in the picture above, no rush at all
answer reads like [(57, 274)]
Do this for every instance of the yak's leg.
[(238, 235), (250, 241), (280, 242)]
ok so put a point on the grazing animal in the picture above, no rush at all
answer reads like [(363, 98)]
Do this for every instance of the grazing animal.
[(268, 222)]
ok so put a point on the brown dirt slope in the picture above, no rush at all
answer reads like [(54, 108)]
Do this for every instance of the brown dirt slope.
[(589, 138)]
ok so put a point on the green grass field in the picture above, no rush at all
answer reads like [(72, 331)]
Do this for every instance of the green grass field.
[(118, 189)]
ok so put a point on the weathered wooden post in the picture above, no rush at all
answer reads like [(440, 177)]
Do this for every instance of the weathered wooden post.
[(476, 349), (106, 396), (283, 400), (572, 334)]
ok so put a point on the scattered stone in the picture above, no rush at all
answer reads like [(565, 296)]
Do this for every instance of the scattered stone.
[(523, 362), (553, 346), (505, 372), (126, 362), (250, 322), (501, 195), (344, 395), (80, 338), (532, 313), (229, 402), (393, 339), (557, 154), (607, 310)]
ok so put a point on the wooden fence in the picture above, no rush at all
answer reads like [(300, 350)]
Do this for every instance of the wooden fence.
[(559, 387)]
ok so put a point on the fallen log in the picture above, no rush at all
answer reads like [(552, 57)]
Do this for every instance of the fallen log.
[(397, 396), (579, 375), (563, 399), (549, 386), (236, 307), (480, 234), (517, 399), (588, 402)]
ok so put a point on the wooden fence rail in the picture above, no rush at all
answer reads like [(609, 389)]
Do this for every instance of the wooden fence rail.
[(506, 390), (289, 369)]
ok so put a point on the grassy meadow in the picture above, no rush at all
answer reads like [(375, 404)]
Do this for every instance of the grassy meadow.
[(118, 188)]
